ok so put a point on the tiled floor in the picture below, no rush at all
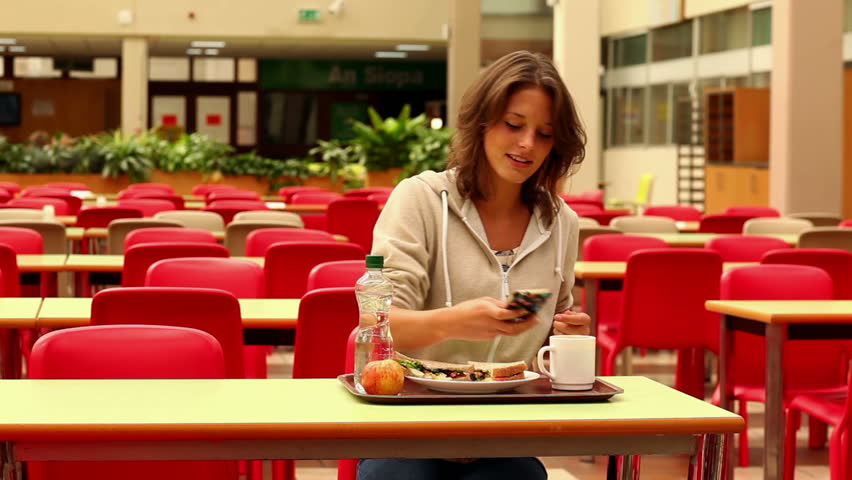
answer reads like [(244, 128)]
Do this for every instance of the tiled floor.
[(811, 464)]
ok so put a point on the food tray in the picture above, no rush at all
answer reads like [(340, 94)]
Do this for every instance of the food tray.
[(538, 391)]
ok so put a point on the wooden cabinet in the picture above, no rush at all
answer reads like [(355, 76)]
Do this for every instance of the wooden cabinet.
[(736, 125), (726, 186)]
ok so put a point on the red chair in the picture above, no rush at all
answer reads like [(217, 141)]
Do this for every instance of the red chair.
[(216, 312), (22, 240), (41, 190), (846, 224), (128, 352), (354, 218), (314, 197), (258, 241), (176, 200), (663, 307), (838, 264), (288, 264), (326, 316), (69, 186), (752, 211), (11, 187), (163, 187), (168, 235), (682, 213), (808, 365), (745, 248), (228, 208), (99, 217), (5, 195), (73, 203), (380, 198), (148, 206), (722, 223), (342, 273), (60, 207), (366, 191), (585, 209), (286, 192), (231, 195), (204, 188), (139, 258)]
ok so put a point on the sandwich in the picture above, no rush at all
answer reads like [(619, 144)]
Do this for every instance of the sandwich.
[(471, 371)]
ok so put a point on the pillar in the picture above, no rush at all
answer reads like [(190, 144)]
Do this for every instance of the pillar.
[(463, 52), (134, 85)]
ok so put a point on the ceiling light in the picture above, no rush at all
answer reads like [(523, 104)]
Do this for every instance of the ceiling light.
[(8, 41), (193, 51), (412, 47), (391, 55), (207, 44), (211, 51), (17, 49)]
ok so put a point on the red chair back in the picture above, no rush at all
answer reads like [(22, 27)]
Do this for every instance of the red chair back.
[(177, 201), (745, 248), (243, 278), (722, 223), (845, 224), (286, 192), (163, 187), (11, 286), (22, 240), (326, 318), (148, 206), (683, 213), (342, 273), (216, 195), (43, 191), (99, 217), (60, 207), (837, 263), (168, 235), (204, 188), (313, 197), (354, 218), (584, 209), (617, 248), (139, 258), (367, 191), (216, 312), (258, 241), (5, 195), (752, 211), (380, 198), (11, 187), (74, 204), (288, 264), (69, 186)]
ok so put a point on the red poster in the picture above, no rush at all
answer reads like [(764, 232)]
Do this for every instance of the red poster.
[(169, 120), (214, 119)]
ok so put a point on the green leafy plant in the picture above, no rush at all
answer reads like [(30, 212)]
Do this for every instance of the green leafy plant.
[(125, 155), (429, 152), (386, 143)]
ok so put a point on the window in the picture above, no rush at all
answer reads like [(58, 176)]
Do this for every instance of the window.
[(760, 79), (166, 69), (723, 31), (661, 115), (761, 27), (247, 70), (213, 69), (631, 50), (628, 116), (35, 67), (674, 41), (289, 118), (847, 16), (618, 103), (101, 68)]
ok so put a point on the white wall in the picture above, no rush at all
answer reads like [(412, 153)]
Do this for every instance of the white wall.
[(696, 8), (623, 167)]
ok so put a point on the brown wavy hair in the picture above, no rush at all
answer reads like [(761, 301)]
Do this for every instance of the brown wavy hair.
[(484, 103)]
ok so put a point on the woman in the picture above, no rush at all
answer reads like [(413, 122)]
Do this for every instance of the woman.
[(457, 243)]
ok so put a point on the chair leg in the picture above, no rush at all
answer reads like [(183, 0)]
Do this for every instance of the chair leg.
[(835, 457), (283, 470), (817, 433), (793, 418), (744, 461)]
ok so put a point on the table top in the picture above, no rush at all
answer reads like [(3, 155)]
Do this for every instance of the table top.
[(785, 311), (48, 262), (687, 226), (256, 312), (18, 312), (323, 408), (94, 263), (700, 239), (617, 270)]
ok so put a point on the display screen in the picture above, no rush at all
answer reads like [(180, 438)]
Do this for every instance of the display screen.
[(10, 109)]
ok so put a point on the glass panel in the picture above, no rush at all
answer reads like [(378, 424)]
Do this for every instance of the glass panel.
[(247, 70), (674, 41), (660, 115), (761, 27), (101, 68), (723, 31), (847, 16), (761, 79), (213, 117), (168, 69), (635, 116), (38, 67), (246, 118), (705, 83), (619, 126), (289, 118), (213, 69), (168, 111), (681, 119), (631, 50)]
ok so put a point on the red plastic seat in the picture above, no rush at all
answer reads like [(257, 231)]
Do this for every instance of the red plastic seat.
[(5, 195), (176, 200), (138, 258), (204, 188), (128, 351), (845, 224), (723, 223), (584, 209), (148, 206), (168, 235), (745, 248), (752, 211), (288, 264), (366, 191), (74, 204), (11, 187), (838, 264), (326, 317), (163, 187), (286, 192), (22, 240), (258, 241), (354, 218), (663, 307), (11, 286), (380, 198), (69, 186), (60, 207), (216, 195), (313, 197), (99, 217), (341, 273), (42, 190), (808, 365), (682, 213)]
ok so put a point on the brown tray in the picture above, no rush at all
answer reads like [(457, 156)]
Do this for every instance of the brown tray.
[(538, 391)]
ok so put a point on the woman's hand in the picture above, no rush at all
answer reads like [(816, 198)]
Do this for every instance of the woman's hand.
[(483, 319), (571, 323)]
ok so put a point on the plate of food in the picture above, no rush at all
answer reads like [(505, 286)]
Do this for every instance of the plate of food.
[(472, 377)]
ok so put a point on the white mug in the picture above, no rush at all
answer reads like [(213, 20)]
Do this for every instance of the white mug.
[(572, 362)]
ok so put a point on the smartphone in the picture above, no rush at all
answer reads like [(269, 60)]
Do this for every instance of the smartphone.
[(527, 302)]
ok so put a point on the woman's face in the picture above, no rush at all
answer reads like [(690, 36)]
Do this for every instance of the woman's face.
[(519, 142)]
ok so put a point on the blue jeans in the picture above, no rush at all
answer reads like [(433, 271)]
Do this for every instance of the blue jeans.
[(518, 468)]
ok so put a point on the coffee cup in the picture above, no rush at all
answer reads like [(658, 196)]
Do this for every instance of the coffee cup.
[(572, 362)]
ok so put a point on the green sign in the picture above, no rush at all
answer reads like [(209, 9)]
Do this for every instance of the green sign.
[(352, 75), (309, 15), (342, 115)]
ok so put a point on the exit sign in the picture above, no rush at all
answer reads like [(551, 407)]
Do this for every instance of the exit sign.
[(309, 15)]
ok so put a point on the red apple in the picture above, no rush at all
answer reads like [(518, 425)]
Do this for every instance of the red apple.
[(383, 377)]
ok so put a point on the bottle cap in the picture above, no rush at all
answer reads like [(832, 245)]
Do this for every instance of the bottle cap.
[(375, 261)]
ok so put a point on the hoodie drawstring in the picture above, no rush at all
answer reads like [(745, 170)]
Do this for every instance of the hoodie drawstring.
[(559, 259), (444, 218)]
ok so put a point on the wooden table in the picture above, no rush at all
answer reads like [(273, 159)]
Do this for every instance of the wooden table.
[(41, 263), (317, 418), (777, 320), (698, 240)]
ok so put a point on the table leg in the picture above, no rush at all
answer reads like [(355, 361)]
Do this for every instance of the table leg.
[(592, 285), (11, 354), (713, 457), (773, 449), (629, 469), (726, 390), (11, 470)]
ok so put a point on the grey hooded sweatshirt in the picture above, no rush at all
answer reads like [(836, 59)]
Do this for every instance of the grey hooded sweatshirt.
[(437, 254)]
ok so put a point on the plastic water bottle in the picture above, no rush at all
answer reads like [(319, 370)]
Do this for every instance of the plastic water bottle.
[(374, 292)]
